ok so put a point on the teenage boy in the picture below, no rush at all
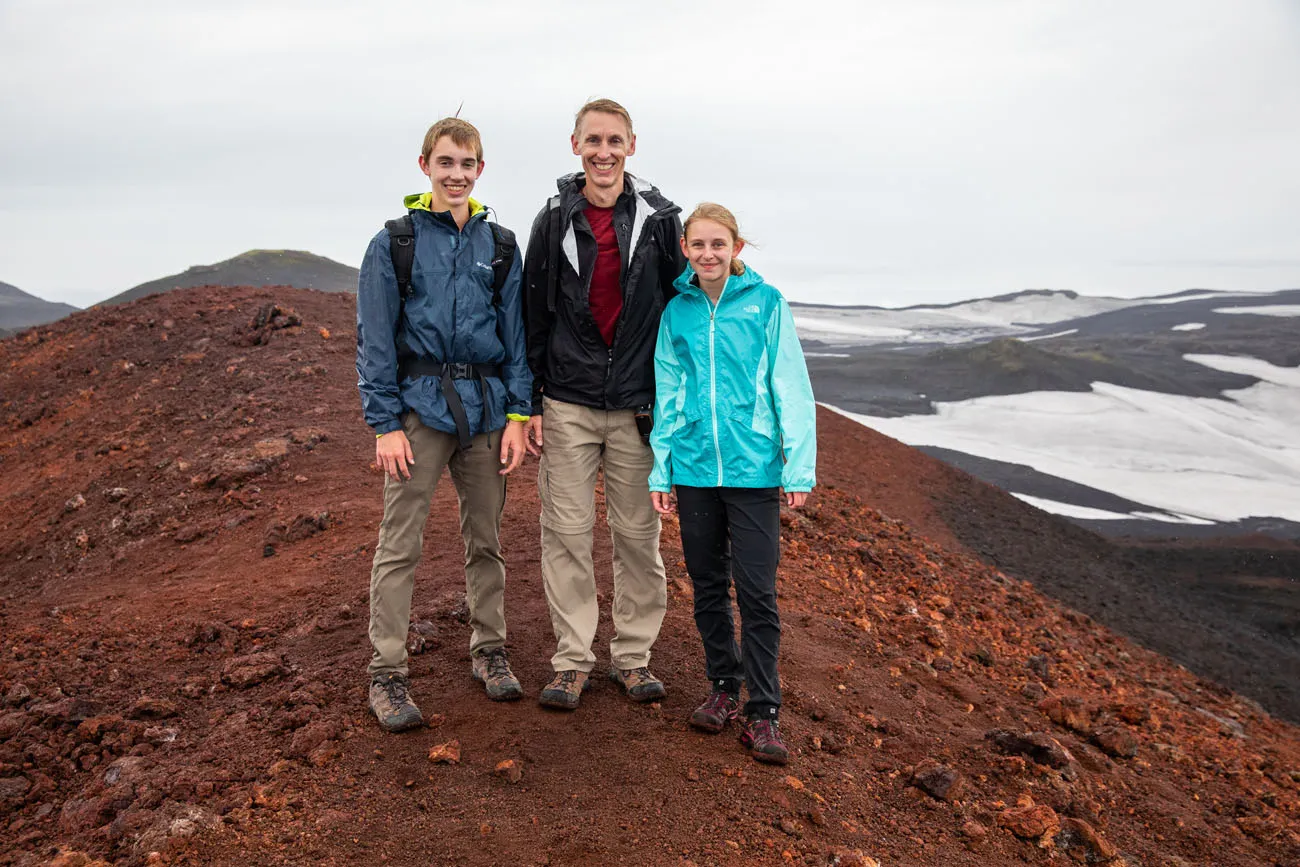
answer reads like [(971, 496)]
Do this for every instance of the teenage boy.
[(602, 257), (444, 382)]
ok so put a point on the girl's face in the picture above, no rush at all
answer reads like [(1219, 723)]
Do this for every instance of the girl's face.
[(710, 247)]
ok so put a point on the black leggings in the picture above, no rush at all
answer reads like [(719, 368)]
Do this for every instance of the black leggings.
[(733, 534)]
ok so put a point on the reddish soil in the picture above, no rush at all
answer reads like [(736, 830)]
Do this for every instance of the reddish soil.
[(188, 510)]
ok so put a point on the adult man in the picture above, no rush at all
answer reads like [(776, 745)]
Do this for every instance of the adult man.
[(444, 382), (601, 261)]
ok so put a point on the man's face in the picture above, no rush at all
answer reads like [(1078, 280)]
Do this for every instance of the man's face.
[(452, 171), (604, 143)]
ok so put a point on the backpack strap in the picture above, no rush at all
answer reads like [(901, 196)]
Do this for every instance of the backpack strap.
[(555, 255), (504, 246), (401, 245)]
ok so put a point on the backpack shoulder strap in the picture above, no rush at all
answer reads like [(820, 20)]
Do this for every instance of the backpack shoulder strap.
[(401, 245), (504, 246)]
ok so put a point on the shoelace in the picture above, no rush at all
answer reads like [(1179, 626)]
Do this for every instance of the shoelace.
[(719, 703), (766, 731), (397, 691), (498, 664)]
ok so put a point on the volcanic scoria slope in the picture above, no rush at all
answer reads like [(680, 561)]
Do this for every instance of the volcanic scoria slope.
[(189, 510)]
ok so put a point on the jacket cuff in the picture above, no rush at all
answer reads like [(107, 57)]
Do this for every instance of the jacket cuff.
[(386, 426)]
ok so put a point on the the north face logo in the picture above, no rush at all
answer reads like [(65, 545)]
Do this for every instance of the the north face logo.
[(753, 308)]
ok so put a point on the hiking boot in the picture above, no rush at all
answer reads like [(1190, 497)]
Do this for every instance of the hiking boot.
[(565, 690), (492, 667), (763, 738), (720, 708), (390, 702), (639, 684)]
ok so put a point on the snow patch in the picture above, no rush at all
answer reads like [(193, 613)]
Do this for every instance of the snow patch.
[(1049, 336), (1213, 459), (1264, 310), (1188, 326)]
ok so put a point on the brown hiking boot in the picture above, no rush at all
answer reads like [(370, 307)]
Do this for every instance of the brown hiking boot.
[(763, 738), (565, 690), (390, 702), (720, 708), (492, 667), (639, 684)]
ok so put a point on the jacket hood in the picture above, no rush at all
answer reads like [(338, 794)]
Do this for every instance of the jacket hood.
[(424, 202), (686, 284)]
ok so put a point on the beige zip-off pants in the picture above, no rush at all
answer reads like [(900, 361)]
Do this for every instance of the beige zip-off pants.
[(482, 492), (578, 442)]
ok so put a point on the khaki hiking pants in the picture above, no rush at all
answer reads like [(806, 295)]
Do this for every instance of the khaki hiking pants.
[(482, 493), (577, 442)]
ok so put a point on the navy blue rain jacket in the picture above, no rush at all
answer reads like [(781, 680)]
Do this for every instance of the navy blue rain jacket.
[(449, 318)]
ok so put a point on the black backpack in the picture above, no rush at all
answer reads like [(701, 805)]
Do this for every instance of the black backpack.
[(401, 245)]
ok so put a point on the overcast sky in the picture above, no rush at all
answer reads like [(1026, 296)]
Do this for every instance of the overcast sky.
[(878, 152)]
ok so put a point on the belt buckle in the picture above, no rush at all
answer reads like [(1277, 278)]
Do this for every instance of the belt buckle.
[(459, 371)]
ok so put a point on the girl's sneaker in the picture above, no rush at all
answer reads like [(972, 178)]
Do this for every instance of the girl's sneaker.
[(720, 708), (763, 738)]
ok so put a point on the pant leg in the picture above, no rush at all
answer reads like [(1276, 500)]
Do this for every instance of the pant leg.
[(640, 584), (708, 561), (481, 489), (401, 540), (566, 482), (754, 520)]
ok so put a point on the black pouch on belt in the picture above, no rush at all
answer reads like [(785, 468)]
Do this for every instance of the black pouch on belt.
[(645, 422)]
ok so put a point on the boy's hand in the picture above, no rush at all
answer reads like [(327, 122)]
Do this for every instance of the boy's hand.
[(534, 440), (663, 503), (393, 454), (795, 499), (512, 446)]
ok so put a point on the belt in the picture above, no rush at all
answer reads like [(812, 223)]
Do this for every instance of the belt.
[(412, 367)]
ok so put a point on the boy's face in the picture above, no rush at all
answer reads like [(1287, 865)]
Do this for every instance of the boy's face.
[(452, 171), (604, 143)]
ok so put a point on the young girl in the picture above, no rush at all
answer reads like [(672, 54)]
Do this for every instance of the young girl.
[(734, 425)]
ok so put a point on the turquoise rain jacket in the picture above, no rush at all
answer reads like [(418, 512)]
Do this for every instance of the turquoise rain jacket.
[(449, 318), (734, 407)]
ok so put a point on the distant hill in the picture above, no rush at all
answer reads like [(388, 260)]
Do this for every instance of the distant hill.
[(19, 310), (255, 268)]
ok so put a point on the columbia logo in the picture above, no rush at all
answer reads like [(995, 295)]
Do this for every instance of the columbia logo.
[(484, 267), (753, 308)]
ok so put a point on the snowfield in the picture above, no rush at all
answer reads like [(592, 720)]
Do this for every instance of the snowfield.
[(1192, 459)]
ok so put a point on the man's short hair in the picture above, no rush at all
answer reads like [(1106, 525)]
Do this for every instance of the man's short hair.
[(462, 132), (608, 106)]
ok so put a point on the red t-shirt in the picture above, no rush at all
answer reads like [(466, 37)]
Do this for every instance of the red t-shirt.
[(606, 295)]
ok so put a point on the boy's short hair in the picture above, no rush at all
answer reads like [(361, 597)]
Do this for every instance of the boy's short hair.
[(462, 132), (608, 106)]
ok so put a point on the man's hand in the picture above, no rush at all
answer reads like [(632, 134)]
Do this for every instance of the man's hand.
[(534, 435), (795, 499), (393, 454), (664, 503), (512, 446)]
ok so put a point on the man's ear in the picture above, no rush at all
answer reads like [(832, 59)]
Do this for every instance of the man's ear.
[(423, 164), (479, 173), (631, 145), (573, 140)]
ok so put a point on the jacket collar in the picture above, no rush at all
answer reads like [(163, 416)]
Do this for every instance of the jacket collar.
[(424, 202), (688, 284)]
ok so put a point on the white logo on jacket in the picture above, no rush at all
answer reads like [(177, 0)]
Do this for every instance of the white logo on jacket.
[(753, 308), (484, 267)]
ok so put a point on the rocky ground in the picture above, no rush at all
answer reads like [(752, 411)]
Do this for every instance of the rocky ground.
[(187, 513)]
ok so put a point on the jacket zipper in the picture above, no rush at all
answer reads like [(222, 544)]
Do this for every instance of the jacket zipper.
[(713, 381)]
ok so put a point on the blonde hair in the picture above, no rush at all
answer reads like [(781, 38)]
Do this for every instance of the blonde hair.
[(724, 218), (462, 132), (608, 106)]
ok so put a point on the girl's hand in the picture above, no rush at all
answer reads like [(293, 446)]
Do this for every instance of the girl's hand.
[(795, 499), (663, 503), (512, 446)]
